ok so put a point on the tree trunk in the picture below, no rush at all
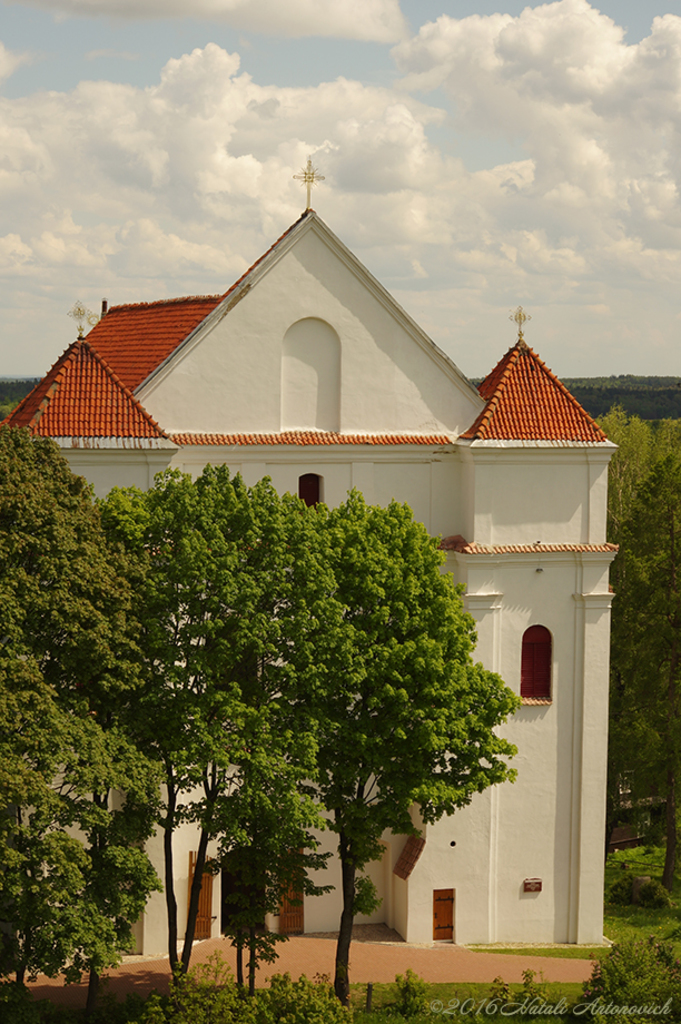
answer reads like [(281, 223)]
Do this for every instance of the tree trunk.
[(670, 853), (171, 902), (92, 992), (341, 982), (251, 961), (240, 958), (194, 900)]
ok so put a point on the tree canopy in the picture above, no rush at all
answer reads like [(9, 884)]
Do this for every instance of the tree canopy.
[(67, 670), (403, 715)]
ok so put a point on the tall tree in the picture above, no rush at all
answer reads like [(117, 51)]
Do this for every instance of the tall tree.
[(67, 660), (233, 587), (646, 644), (404, 716)]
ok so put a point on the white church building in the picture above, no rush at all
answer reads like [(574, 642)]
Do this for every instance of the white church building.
[(308, 371)]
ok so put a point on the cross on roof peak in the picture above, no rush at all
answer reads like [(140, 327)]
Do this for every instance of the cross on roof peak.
[(309, 176), (520, 316)]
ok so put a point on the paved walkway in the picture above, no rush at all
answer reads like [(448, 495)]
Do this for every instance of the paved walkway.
[(310, 955)]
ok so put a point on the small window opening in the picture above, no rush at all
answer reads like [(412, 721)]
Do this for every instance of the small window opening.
[(535, 665), (309, 489)]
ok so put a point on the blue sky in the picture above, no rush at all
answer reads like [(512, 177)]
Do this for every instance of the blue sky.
[(476, 156)]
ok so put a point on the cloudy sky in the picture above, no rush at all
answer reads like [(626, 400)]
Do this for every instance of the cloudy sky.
[(478, 154)]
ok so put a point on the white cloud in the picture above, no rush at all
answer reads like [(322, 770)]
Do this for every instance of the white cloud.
[(377, 20), (175, 188), (10, 61)]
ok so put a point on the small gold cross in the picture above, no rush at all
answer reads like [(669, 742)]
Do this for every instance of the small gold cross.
[(82, 315), (520, 316), (309, 176)]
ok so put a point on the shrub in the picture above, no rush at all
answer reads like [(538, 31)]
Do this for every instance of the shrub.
[(619, 893), (641, 973), (17, 1006), (653, 894), (411, 992), (207, 995), (299, 1002)]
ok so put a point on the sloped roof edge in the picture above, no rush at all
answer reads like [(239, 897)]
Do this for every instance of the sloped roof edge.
[(310, 220)]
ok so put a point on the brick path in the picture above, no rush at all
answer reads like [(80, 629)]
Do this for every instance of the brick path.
[(369, 961)]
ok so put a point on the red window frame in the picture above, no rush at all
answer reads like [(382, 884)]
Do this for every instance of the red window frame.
[(535, 664)]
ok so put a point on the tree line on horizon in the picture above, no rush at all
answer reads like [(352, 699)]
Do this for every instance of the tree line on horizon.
[(214, 654)]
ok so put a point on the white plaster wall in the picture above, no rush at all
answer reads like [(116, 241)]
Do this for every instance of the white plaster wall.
[(428, 482), (154, 926), (108, 468), (230, 381), (552, 495), (310, 376)]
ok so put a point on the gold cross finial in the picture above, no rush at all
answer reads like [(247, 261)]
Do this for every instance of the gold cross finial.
[(520, 316), (82, 315), (309, 176)]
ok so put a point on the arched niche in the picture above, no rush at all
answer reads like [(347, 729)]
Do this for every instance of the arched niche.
[(310, 377)]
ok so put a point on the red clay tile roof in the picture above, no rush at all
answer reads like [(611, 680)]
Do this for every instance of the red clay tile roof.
[(82, 397), (309, 437), (527, 402), (406, 862), (136, 338), (462, 546)]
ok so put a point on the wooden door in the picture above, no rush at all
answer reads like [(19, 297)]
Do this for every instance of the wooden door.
[(291, 915), (204, 917), (443, 913)]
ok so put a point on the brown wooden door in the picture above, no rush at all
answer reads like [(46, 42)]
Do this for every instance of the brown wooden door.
[(204, 917), (443, 913), (291, 915)]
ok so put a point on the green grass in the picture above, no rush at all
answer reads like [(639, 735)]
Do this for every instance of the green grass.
[(622, 923), (458, 1001), (562, 952)]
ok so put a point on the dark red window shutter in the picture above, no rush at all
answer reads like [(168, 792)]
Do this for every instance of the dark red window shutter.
[(308, 488), (535, 663)]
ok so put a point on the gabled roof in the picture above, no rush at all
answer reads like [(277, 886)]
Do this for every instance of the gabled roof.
[(81, 396), (135, 339), (527, 402)]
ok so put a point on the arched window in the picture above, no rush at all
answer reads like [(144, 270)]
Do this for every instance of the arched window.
[(309, 489), (535, 663)]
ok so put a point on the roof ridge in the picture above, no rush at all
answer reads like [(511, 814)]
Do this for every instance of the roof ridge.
[(487, 413), (165, 302), (122, 385), (568, 394)]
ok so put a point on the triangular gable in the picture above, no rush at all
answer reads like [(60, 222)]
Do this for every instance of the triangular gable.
[(137, 338), (82, 397), (527, 402), (310, 220)]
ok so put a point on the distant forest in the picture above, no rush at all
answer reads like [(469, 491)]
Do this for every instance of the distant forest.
[(651, 398), (12, 391)]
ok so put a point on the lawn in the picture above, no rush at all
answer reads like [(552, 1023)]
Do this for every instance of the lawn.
[(459, 1001), (634, 922)]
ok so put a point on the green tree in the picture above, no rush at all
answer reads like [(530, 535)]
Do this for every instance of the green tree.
[(404, 717), (231, 591), (67, 668), (646, 643)]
